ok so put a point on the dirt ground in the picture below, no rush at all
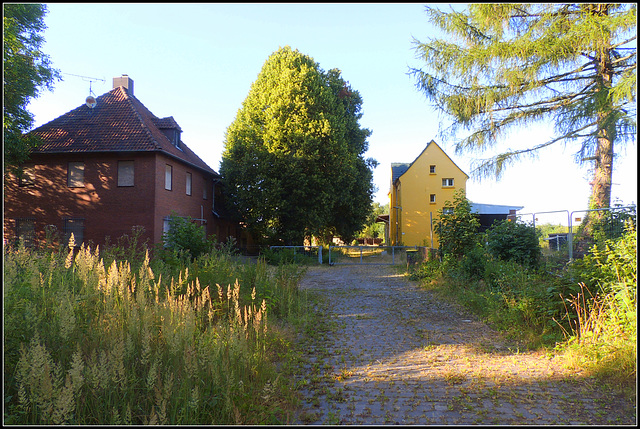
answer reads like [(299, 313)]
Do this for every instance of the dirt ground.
[(394, 354)]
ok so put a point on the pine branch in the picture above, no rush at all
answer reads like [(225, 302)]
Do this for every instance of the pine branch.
[(494, 167)]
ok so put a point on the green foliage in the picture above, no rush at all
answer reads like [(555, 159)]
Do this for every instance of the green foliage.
[(610, 263), (592, 304), (87, 343), (507, 66), (293, 162), (514, 241), (607, 224), (186, 237), (603, 336), (458, 230), (26, 69), (279, 256), (429, 270), (374, 229)]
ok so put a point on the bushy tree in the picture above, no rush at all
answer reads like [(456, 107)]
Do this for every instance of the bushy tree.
[(505, 66), (26, 71), (293, 164), (514, 241), (457, 227)]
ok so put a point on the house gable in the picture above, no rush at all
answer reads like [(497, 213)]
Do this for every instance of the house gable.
[(403, 168), (418, 192)]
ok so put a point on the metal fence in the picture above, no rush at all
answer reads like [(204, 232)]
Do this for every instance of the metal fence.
[(301, 252), (364, 255), (564, 235), (378, 255)]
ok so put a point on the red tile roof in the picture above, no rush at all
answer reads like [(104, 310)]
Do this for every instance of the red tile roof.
[(118, 123)]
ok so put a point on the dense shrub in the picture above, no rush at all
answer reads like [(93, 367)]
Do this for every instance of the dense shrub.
[(514, 241), (185, 236), (612, 262), (473, 263)]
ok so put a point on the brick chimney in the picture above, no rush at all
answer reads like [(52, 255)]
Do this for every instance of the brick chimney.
[(125, 81)]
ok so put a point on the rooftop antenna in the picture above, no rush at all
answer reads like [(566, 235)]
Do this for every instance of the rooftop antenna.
[(90, 101)]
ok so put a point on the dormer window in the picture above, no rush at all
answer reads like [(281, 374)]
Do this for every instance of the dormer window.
[(170, 129), (173, 135), (176, 138)]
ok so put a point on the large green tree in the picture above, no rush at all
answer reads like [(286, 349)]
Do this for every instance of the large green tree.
[(505, 66), (26, 71), (293, 165)]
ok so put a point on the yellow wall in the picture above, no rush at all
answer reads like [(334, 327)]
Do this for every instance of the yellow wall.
[(411, 225)]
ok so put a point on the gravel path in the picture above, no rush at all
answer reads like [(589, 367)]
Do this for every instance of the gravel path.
[(394, 354)]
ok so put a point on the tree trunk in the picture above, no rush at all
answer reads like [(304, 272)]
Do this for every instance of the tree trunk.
[(601, 184), (603, 171)]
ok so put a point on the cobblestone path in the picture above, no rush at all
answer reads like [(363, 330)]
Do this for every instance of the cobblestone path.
[(394, 354)]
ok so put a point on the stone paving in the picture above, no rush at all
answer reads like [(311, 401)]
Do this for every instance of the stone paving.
[(394, 354)]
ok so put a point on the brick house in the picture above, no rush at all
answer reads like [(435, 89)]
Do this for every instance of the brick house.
[(103, 168)]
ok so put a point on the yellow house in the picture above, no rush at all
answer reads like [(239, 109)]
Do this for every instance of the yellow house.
[(418, 191)]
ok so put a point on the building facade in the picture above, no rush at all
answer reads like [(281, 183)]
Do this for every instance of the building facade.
[(418, 191), (107, 166)]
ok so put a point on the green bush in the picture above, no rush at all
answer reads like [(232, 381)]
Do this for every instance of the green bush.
[(185, 236), (428, 270), (473, 264), (280, 256), (456, 227), (609, 263), (513, 241)]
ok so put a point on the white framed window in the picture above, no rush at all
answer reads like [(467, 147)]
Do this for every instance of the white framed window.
[(447, 210), (75, 175), (447, 183), (168, 177), (125, 173), (188, 190), (432, 169), (204, 190), (432, 198)]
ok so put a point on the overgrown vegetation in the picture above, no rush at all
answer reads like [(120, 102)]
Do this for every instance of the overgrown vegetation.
[(92, 338), (587, 310)]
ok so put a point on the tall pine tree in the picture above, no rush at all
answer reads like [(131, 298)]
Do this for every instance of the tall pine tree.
[(293, 164), (507, 66)]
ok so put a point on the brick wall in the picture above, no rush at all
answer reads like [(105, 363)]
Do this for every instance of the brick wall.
[(110, 210)]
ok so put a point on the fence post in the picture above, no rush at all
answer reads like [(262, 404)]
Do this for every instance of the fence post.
[(320, 255)]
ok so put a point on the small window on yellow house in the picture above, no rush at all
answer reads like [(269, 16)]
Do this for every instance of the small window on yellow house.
[(432, 198), (432, 169), (447, 183)]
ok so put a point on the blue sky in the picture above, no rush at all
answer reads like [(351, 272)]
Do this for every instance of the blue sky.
[(196, 62)]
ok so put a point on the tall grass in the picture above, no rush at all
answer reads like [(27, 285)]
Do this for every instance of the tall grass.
[(89, 342), (603, 336)]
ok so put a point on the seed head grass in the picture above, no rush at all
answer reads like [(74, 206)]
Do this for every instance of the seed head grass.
[(95, 341)]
